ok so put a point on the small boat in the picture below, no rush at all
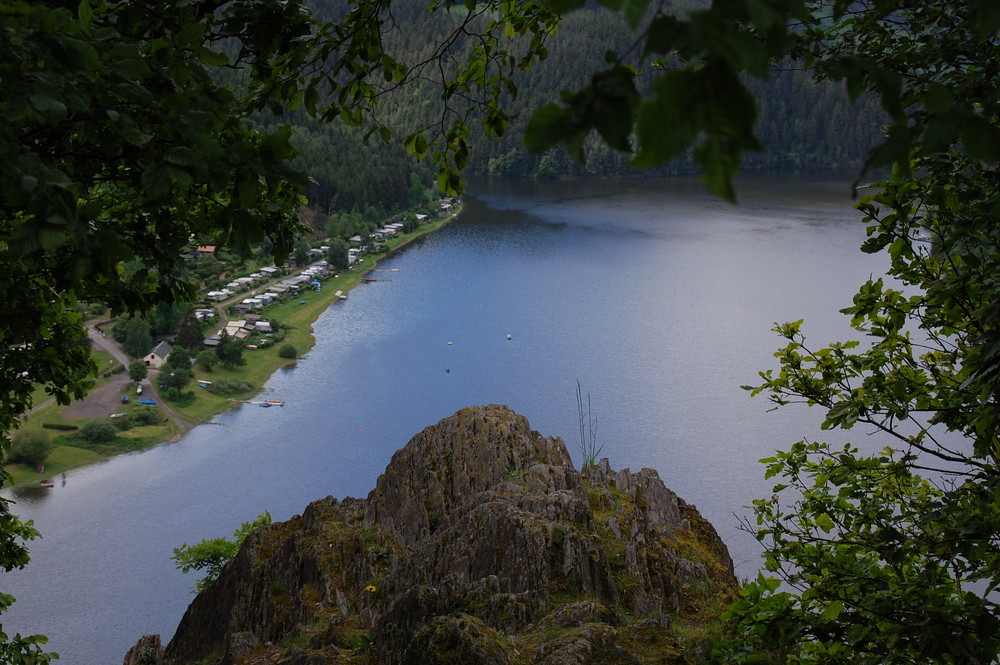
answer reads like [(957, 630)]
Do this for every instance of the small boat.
[(266, 403), (150, 402), (47, 483), (368, 280), (124, 398)]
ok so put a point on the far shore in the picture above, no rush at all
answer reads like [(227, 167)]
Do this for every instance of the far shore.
[(297, 314)]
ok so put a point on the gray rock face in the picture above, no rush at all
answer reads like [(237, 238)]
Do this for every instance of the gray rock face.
[(479, 544)]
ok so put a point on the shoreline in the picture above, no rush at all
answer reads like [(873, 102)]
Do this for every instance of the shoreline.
[(300, 314)]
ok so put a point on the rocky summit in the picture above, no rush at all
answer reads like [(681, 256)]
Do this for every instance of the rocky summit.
[(481, 544)]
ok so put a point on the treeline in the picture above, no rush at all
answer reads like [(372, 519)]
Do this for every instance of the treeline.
[(800, 124), (348, 173)]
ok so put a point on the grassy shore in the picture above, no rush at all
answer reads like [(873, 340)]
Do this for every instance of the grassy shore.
[(296, 316)]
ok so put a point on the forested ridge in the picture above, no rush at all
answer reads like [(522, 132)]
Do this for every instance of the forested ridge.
[(801, 123)]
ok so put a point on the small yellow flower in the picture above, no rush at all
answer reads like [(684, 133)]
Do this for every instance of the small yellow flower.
[(371, 588)]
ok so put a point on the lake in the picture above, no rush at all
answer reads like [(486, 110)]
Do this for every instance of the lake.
[(655, 296)]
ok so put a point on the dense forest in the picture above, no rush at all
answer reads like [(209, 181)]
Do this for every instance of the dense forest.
[(801, 124)]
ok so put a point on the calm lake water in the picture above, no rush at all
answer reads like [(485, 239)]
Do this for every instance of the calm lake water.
[(656, 297)]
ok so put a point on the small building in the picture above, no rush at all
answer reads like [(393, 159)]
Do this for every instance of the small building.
[(269, 271), (158, 356), (237, 330)]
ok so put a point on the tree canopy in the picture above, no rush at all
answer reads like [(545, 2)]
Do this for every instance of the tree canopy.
[(127, 133), (211, 554)]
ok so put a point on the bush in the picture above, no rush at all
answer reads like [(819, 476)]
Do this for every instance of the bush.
[(146, 415), (60, 426), (30, 446), (287, 351), (98, 431), (137, 370), (175, 378), (207, 359), (230, 387), (179, 398)]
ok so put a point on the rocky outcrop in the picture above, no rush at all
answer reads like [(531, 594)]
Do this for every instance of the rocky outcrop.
[(480, 544)]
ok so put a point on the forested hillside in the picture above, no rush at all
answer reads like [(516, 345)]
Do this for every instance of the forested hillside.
[(800, 124)]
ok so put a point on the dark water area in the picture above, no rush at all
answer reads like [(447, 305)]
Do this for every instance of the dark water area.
[(655, 296)]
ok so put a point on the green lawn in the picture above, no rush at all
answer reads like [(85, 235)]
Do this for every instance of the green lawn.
[(63, 458)]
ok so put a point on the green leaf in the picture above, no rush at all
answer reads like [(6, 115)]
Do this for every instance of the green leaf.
[(662, 127), (49, 106), (663, 34), (547, 127), (824, 522), (132, 69), (634, 10), (832, 611), (182, 156), (985, 19), (981, 139), (614, 99), (86, 15)]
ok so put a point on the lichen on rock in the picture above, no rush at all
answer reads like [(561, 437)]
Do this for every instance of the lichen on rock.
[(480, 543)]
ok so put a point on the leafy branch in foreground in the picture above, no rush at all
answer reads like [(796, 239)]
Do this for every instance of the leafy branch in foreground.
[(681, 87), (212, 554), (887, 547)]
